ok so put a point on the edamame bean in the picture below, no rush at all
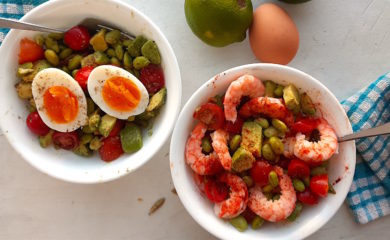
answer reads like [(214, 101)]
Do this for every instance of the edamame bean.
[(248, 181), (115, 61), (56, 36), (111, 52), (119, 52), (135, 46), (276, 145), (273, 179), (136, 73), (65, 69), (298, 185), (318, 171), (235, 142), (239, 223), (113, 37), (269, 88), (52, 44), (267, 152), (52, 57), (126, 42), (127, 62), (39, 39), (101, 58), (74, 62), (150, 51), (270, 132), (263, 122), (140, 62), (267, 189), (278, 92), (257, 222), (65, 53), (296, 212), (206, 145), (279, 125)]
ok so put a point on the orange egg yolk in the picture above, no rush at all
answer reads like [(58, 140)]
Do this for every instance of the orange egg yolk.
[(121, 94), (61, 104)]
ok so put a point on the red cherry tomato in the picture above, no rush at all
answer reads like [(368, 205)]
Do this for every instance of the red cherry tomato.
[(305, 125), (259, 172), (216, 191), (210, 114), (320, 185), (298, 169), (117, 128), (66, 140), (307, 197), (82, 76), (235, 127), (29, 51), (36, 125), (111, 149), (152, 77), (77, 38)]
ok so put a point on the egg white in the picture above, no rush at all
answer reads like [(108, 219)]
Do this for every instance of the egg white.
[(96, 81), (55, 77)]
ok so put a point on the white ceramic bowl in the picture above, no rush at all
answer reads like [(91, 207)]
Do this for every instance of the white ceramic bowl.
[(312, 218), (66, 165)]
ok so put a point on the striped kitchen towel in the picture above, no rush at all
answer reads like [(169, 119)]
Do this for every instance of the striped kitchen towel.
[(15, 9), (369, 196)]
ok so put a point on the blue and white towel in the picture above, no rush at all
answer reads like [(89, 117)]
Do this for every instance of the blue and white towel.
[(369, 196)]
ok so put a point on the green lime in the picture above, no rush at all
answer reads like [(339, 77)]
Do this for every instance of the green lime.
[(219, 22)]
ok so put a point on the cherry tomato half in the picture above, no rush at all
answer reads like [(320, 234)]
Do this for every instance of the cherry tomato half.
[(111, 149), (305, 125), (77, 38), (235, 127), (29, 51), (210, 114), (66, 140), (320, 185), (307, 197), (259, 172), (216, 191), (152, 77), (36, 125), (117, 128), (82, 76), (298, 169)]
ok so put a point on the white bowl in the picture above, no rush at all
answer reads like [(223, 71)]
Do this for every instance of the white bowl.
[(312, 218), (66, 165)]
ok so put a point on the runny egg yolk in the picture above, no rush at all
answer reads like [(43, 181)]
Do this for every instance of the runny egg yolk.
[(61, 104), (121, 94)]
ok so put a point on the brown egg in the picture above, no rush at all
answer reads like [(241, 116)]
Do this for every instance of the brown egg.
[(273, 36)]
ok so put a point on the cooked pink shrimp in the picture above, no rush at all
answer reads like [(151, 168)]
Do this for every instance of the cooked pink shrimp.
[(276, 210), (219, 142), (201, 164), (238, 198), (268, 106), (289, 144), (246, 85), (317, 151)]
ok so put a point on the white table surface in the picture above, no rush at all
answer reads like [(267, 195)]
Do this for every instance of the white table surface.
[(344, 43)]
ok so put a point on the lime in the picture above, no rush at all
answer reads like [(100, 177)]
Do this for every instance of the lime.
[(219, 22)]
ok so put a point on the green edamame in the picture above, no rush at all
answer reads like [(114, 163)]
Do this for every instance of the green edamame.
[(101, 58), (257, 222), (115, 61), (119, 52), (273, 179), (75, 62), (65, 69), (65, 53), (110, 52), (296, 212), (127, 61), (276, 145), (52, 44), (56, 36), (39, 39), (206, 145), (52, 57), (150, 51), (248, 181), (239, 223), (126, 42), (279, 125), (263, 122), (131, 138), (269, 88), (235, 142), (278, 92), (267, 189), (298, 185), (112, 37), (318, 171), (135, 46), (267, 152), (270, 132), (140, 62)]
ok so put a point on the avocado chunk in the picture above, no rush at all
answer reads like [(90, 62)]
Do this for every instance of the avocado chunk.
[(145, 116), (307, 105), (37, 67), (291, 98), (46, 140), (82, 150), (252, 138), (106, 125), (94, 120), (95, 143), (98, 42), (157, 100), (131, 138), (242, 160), (24, 90)]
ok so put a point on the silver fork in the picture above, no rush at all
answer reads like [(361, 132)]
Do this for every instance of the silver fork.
[(371, 132), (91, 23)]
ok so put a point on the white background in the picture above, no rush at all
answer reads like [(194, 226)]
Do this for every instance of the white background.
[(344, 43)]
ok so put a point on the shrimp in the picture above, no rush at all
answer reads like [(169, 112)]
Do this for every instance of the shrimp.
[(289, 144), (219, 142), (246, 85), (317, 151), (268, 106), (238, 198), (201, 164), (276, 210)]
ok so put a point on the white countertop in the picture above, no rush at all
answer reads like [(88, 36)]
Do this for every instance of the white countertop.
[(344, 43)]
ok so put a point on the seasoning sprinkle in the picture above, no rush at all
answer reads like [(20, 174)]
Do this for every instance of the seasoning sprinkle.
[(156, 205)]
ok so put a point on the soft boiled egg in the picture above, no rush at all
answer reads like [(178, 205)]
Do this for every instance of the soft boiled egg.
[(117, 92), (60, 101)]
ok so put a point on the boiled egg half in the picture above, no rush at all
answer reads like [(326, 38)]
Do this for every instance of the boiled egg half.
[(117, 92), (60, 101)]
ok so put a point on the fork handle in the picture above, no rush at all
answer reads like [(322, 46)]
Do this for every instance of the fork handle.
[(14, 24), (376, 131)]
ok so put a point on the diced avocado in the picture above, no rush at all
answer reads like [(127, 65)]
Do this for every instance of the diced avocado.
[(157, 100), (82, 150), (291, 98), (106, 125), (252, 138), (88, 129), (269, 88), (131, 138), (88, 60), (98, 42), (94, 120), (24, 90), (95, 143), (38, 66), (135, 46), (46, 140), (145, 116), (86, 138), (242, 160), (307, 105)]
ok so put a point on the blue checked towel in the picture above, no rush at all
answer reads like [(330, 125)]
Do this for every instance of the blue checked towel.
[(369, 196)]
